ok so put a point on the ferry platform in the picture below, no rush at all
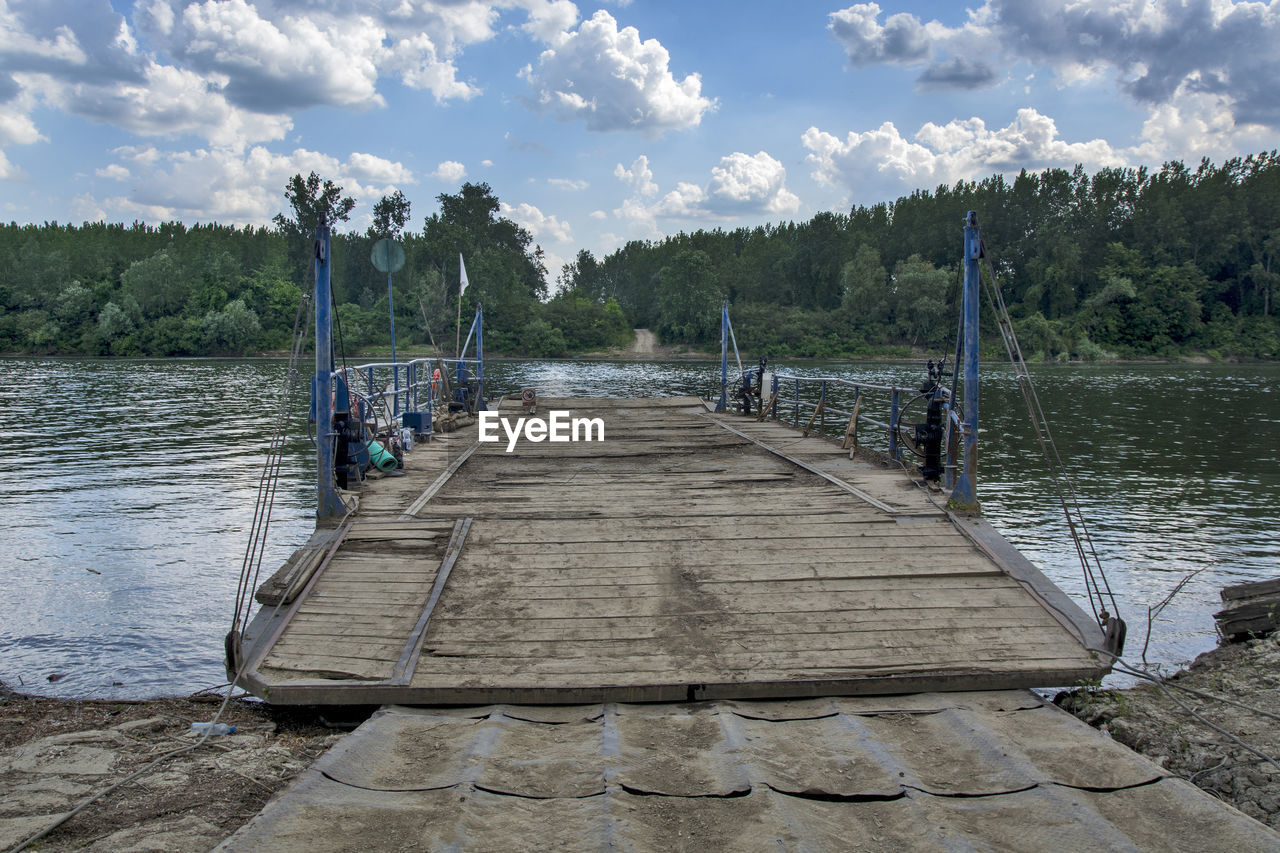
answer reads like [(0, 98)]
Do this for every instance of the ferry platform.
[(704, 633), (690, 555)]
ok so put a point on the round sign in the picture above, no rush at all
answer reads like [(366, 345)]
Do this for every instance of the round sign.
[(387, 256)]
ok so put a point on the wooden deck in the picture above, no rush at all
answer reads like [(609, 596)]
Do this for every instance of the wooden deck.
[(687, 556)]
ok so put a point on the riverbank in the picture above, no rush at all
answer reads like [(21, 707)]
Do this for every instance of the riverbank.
[(1147, 720), (57, 753)]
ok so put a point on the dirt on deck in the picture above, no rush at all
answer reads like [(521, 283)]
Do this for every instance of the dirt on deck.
[(57, 753), (1147, 720)]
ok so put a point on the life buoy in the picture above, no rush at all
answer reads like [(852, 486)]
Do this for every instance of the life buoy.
[(435, 383)]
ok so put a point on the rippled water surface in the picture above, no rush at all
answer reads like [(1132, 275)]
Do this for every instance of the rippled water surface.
[(130, 488)]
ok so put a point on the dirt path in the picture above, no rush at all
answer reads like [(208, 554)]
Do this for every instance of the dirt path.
[(645, 345)]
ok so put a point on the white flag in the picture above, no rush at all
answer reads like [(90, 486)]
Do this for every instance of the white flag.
[(462, 284)]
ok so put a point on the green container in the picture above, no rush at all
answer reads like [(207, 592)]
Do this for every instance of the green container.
[(380, 456)]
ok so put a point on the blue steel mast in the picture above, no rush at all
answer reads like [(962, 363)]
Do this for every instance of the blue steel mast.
[(328, 503), (965, 496)]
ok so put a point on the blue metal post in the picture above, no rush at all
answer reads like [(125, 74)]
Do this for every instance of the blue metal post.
[(328, 504), (395, 371), (723, 403), (480, 406), (894, 399), (965, 495)]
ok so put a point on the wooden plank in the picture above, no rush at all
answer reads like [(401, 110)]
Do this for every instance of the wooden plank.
[(1249, 590), (849, 644), (885, 542), (649, 666), (722, 606), (421, 501), (779, 562), (382, 651), (499, 589), (409, 654), (768, 621), (589, 573)]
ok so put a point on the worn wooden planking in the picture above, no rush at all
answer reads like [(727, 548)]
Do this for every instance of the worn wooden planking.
[(652, 668), (676, 552), (570, 576), (773, 562), (479, 628), (677, 584), (723, 605)]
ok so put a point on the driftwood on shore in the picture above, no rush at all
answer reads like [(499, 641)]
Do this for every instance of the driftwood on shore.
[(1252, 610)]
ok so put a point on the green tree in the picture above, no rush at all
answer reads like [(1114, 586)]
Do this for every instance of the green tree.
[(866, 287), (919, 301), (232, 329), (390, 215), (688, 298), (157, 284)]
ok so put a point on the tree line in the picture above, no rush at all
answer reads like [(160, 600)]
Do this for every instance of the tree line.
[(1120, 263)]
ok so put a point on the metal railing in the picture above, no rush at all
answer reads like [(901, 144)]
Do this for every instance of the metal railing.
[(864, 414), (392, 390)]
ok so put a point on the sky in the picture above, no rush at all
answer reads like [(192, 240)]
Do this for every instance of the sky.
[(612, 121)]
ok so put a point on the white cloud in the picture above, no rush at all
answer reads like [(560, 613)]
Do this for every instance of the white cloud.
[(740, 185), (8, 171), (233, 72), (113, 172), (752, 183), (488, 164), (549, 20), (234, 187), (276, 64), (1153, 51), (16, 125), (450, 171), (568, 184), (420, 66), (167, 101), (598, 214), (367, 167), (1198, 124), (612, 80), (540, 225), (639, 177), (881, 163), (902, 38)]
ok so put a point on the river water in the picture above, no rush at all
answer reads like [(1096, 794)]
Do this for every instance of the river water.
[(130, 489)]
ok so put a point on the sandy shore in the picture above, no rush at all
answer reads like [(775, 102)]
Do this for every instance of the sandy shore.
[(56, 753)]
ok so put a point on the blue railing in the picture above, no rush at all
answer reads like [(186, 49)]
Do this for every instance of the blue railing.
[(407, 393), (864, 414)]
